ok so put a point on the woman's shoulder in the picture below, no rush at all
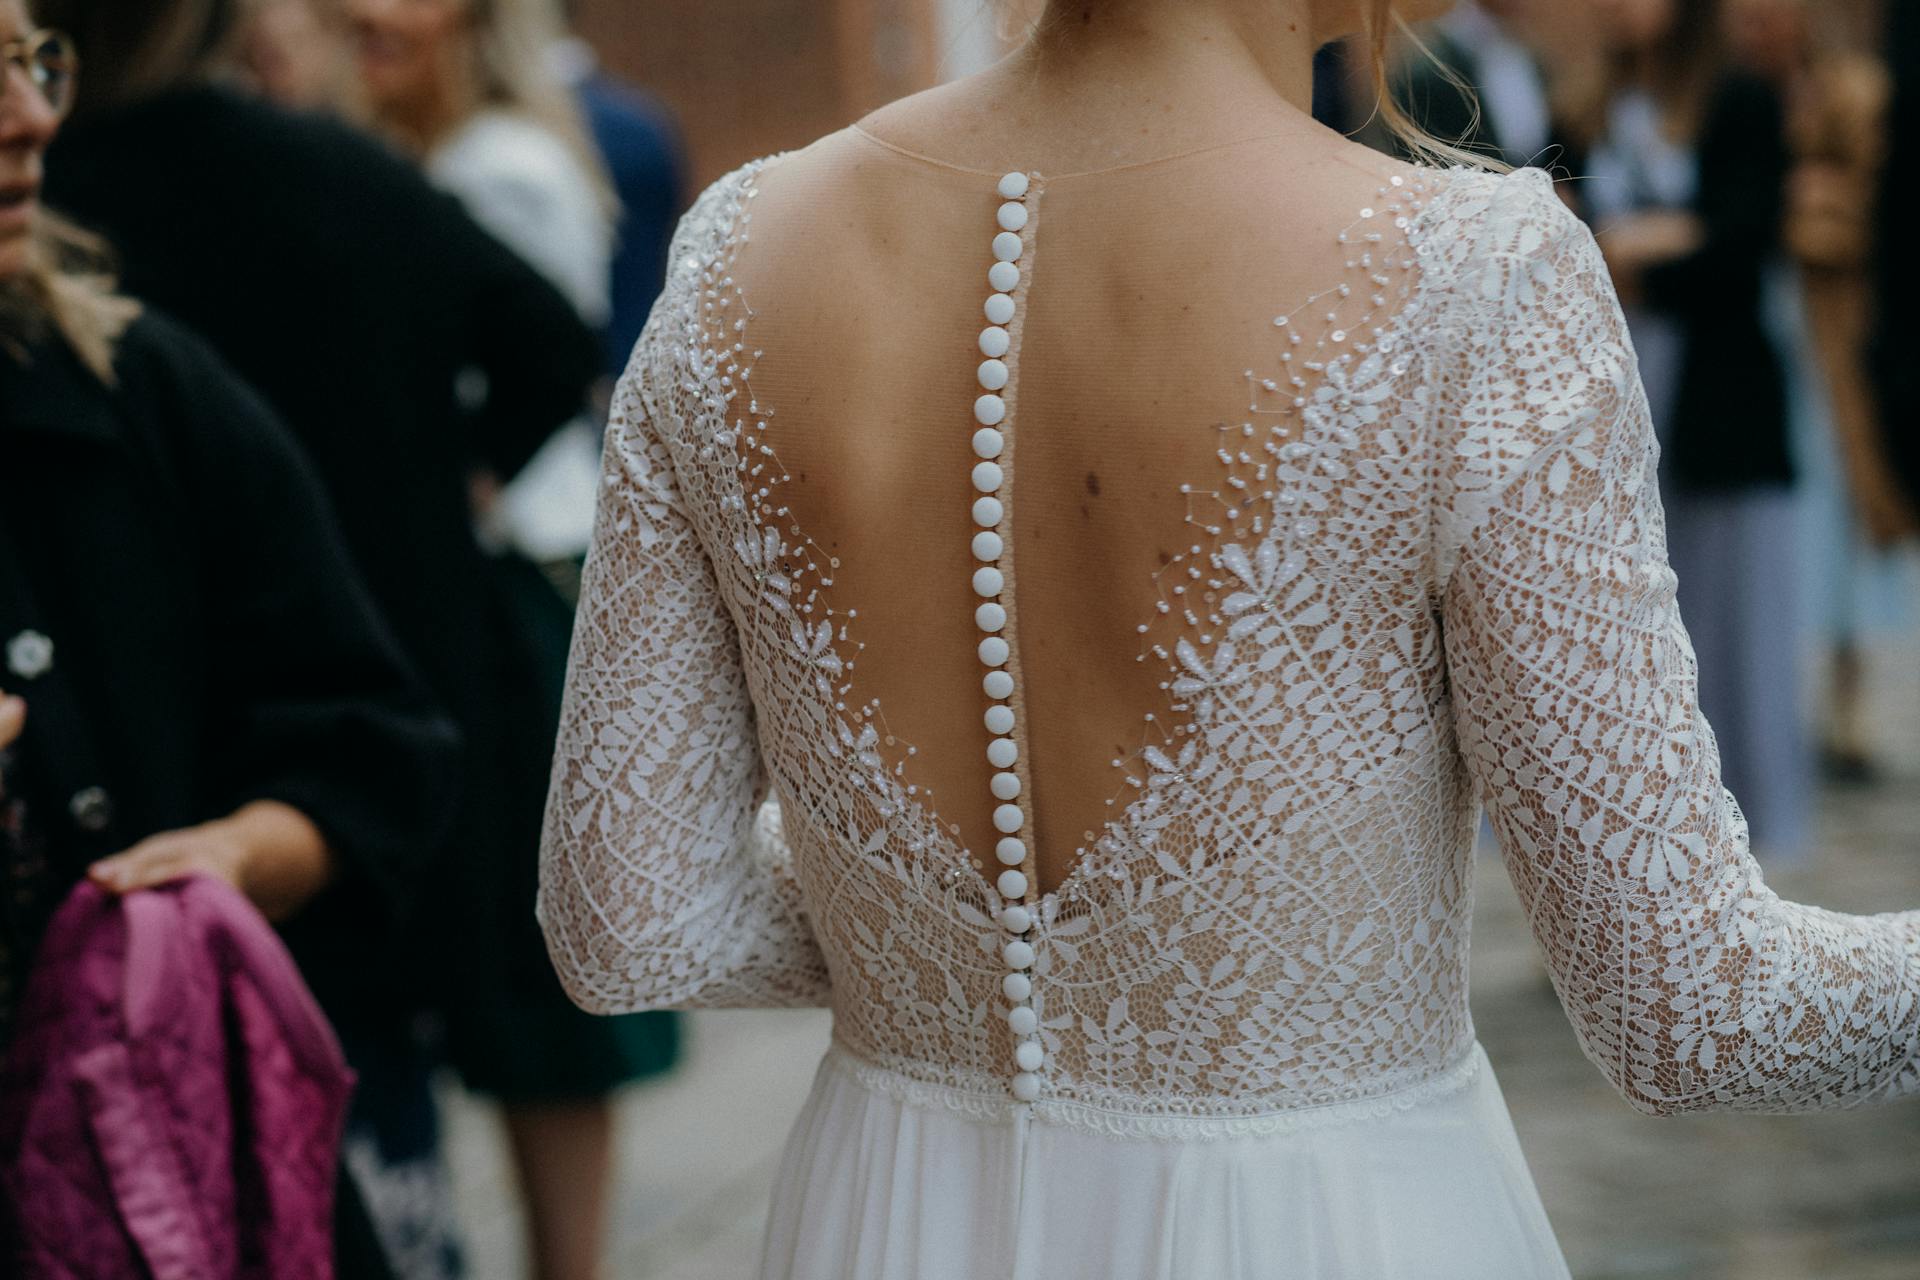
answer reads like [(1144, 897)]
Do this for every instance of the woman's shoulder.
[(157, 353), (1475, 209), (1495, 236), (715, 216), (168, 376)]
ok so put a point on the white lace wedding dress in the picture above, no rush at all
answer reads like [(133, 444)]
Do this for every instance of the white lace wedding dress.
[(1353, 521)]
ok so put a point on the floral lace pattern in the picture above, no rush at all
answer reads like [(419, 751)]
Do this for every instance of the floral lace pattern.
[(1431, 571)]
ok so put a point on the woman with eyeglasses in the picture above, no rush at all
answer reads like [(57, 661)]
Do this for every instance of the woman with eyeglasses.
[(193, 678), (409, 351), (469, 89)]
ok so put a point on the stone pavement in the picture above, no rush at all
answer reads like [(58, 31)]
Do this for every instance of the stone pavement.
[(1834, 1197)]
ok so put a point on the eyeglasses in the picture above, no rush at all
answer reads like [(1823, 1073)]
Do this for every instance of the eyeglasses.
[(50, 63)]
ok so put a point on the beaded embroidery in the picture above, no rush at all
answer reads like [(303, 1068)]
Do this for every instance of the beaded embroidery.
[(1456, 588)]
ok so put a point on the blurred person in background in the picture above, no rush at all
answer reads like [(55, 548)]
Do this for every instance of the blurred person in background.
[(1896, 374), (193, 677), (466, 87), (641, 150), (1478, 83), (1836, 101), (289, 54), (1683, 165), (409, 351), (469, 88)]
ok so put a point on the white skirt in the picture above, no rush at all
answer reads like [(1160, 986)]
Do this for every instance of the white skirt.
[(885, 1178)]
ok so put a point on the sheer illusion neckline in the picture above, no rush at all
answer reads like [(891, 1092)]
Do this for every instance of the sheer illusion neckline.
[(899, 149)]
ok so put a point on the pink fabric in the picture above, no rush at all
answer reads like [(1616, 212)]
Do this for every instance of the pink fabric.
[(173, 1098)]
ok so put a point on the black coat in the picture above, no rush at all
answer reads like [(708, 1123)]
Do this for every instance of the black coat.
[(1896, 332), (1729, 418), (404, 347), (358, 300), (1729, 427), (210, 641)]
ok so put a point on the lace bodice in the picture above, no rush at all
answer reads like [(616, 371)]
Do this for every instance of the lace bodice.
[(1390, 554)]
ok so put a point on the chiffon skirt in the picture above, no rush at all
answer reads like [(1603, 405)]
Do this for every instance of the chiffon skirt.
[(885, 1179)]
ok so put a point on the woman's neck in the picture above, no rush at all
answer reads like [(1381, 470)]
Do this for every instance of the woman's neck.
[(1184, 51), (1107, 83), (1114, 82)]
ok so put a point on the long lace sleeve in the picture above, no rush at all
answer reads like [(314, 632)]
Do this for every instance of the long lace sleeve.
[(663, 883), (1690, 983)]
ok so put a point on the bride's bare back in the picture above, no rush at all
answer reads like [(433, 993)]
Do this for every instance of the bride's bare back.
[(1147, 295)]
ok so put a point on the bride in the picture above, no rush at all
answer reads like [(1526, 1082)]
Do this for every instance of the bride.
[(1132, 532)]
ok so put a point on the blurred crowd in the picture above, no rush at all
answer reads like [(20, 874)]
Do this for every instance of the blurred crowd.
[(291, 523), (1737, 161), (309, 313)]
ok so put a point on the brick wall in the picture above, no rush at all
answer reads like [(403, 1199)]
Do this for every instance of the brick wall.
[(749, 77)]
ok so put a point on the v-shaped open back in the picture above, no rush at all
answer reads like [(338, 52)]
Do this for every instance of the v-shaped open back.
[(1325, 497), (1157, 352)]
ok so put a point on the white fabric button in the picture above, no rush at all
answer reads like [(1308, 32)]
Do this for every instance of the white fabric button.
[(30, 655), (990, 617), (1018, 955), (1004, 277), (999, 720), (91, 809), (998, 684), (987, 511), (1005, 785), (1011, 852), (1001, 752), (1012, 884), (1007, 817), (1012, 215), (1018, 986), (1023, 1020), (993, 374), (987, 545), (1006, 246), (1029, 1055), (987, 443), (987, 581), (1013, 186), (989, 410), (1026, 1086), (987, 477), (999, 308), (994, 341), (993, 652), (1017, 919)]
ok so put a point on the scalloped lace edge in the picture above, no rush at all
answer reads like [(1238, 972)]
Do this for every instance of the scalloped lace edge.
[(998, 1108)]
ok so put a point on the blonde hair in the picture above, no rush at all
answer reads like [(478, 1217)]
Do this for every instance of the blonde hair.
[(1382, 27), (68, 287), (133, 48), (513, 40)]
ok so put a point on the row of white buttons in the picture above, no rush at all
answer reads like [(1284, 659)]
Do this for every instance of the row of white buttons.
[(989, 513)]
